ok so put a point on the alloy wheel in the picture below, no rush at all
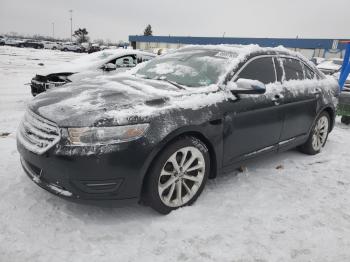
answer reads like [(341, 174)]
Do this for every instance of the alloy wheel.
[(320, 133), (181, 176)]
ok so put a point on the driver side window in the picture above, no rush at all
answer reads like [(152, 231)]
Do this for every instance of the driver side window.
[(261, 69)]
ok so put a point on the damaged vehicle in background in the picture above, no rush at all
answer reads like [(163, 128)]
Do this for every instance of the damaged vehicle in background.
[(88, 66), (155, 134), (330, 66)]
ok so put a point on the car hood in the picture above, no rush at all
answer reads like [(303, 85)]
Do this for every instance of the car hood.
[(67, 67), (116, 100)]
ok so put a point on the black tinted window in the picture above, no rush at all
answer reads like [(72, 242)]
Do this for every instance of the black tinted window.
[(261, 69), (293, 69)]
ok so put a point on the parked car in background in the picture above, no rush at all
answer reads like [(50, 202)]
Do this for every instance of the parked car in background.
[(2, 40), (104, 47), (330, 66), (88, 66), (93, 48), (13, 42), (51, 45), (74, 47), (32, 44), (158, 133)]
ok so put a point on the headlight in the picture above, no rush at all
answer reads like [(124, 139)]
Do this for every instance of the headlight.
[(105, 135)]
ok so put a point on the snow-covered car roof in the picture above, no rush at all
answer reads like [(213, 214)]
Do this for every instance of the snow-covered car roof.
[(91, 61)]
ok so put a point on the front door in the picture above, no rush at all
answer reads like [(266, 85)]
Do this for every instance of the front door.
[(253, 124)]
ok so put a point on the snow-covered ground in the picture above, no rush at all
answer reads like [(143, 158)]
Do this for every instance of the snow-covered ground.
[(288, 207)]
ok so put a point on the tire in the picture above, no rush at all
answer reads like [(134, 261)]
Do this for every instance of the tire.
[(318, 135), (65, 49), (165, 180), (345, 120)]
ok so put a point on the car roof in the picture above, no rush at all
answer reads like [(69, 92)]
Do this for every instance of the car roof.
[(237, 48), (243, 52)]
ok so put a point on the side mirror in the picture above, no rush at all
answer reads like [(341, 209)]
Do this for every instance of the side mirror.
[(247, 86), (109, 67)]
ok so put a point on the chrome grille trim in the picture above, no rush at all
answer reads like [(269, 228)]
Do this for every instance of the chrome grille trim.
[(37, 134)]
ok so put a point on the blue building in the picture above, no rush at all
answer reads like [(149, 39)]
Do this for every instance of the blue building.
[(309, 47)]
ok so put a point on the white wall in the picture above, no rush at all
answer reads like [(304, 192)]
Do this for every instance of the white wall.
[(308, 53)]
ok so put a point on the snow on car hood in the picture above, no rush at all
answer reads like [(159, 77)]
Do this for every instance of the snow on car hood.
[(118, 100)]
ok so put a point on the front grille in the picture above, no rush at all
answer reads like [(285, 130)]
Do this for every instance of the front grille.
[(37, 134)]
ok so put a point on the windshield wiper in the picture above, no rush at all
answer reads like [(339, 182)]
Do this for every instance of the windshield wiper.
[(162, 78), (174, 84)]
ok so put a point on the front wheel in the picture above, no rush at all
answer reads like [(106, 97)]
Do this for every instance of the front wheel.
[(178, 175), (318, 136)]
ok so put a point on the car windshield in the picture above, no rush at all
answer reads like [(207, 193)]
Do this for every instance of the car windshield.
[(192, 68)]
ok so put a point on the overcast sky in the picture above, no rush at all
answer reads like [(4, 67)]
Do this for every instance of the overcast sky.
[(117, 19)]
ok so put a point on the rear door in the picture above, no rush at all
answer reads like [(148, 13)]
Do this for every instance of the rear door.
[(253, 123), (300, 98)]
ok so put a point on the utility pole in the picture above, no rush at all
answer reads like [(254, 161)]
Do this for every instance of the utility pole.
[(71, 25), (53, 30)]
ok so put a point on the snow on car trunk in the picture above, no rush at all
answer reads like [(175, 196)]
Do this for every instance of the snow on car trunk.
[(280, 208)]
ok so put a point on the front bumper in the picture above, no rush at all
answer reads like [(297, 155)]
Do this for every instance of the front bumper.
[(77, 175)]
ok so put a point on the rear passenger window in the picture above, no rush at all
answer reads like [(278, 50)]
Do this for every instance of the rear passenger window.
[(293, 69), (261, 69), (309, 74)]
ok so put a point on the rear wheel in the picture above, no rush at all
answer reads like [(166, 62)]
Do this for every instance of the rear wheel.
[(318, 136), (178, 175)]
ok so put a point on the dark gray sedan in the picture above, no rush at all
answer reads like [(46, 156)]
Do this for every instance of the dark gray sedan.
[(156, 134)]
